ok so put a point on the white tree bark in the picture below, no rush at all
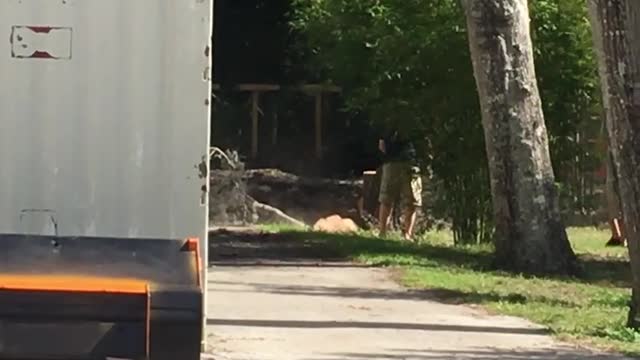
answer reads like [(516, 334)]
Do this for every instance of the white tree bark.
[(530, 236), (616, 32)]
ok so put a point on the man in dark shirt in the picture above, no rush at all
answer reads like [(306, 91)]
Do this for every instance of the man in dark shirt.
[(400, 181)]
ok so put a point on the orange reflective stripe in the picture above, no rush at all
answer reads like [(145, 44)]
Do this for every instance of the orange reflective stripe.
[(148, 324), (193, 244), (72, 284)]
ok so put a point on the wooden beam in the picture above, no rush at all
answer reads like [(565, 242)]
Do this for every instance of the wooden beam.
[(257, 87), (320, 88), (308, 88)]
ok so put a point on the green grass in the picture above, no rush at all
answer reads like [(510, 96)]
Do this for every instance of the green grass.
[(591, 309), (591, 241), (280, 228)]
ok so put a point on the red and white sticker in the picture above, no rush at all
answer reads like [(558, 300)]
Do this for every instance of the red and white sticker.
[(41, 42)]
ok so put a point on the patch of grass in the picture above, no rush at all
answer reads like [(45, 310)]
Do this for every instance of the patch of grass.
[(577, 310), (592, 241), (280, 228), (591, 309), (605, 266)]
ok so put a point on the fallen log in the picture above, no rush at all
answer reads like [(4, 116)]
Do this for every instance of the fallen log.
[(270, 215)]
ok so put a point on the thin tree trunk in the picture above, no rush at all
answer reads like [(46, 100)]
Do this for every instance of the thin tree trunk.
[(530, 237), (616, 30), (614, 204)]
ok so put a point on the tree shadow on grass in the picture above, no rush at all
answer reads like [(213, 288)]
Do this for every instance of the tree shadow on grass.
[(607, 271), (385, 252), (296, 247), (593, 269)]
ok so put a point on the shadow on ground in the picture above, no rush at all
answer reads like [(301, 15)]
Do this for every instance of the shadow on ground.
[(252, 247), (301, 249), (606, 270), (446, 296), (289, 324), (480, 354)]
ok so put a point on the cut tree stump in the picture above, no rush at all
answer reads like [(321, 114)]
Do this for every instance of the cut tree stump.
[(370, 192), (369, 204)]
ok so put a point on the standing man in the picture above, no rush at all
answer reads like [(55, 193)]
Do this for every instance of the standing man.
[(400, 181)]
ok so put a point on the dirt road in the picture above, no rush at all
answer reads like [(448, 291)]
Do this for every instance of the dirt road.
[(262, 309)]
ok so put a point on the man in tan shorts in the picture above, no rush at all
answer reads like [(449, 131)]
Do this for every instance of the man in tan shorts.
[(401, 181)]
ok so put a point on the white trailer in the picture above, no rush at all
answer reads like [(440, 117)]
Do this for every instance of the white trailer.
[(104, 137)]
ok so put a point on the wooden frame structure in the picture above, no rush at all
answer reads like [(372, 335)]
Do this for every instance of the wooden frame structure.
[(316, 90), (256, 90)]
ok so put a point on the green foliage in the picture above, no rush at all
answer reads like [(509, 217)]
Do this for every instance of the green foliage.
[(568, 81), (406, 64)]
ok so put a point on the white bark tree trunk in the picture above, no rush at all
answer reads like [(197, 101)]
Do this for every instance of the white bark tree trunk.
[(530, 236), (616, 32)]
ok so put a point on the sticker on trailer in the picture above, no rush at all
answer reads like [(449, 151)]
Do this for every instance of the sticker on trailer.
[(41, 42)]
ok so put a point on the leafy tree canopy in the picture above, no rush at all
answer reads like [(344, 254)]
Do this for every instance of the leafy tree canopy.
[(406, 64)]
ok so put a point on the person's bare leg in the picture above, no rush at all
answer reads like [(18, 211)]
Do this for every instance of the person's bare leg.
[(384, 214), (410, 216)]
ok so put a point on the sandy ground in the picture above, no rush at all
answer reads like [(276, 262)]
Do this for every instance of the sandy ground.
[(304, 309)]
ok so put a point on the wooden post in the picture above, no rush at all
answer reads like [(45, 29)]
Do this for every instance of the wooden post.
[(274, 135), (317, 90), (255, 97), (318, 123)]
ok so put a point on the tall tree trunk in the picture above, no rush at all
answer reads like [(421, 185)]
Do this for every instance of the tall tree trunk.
[(530, 237), (616, 32)]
